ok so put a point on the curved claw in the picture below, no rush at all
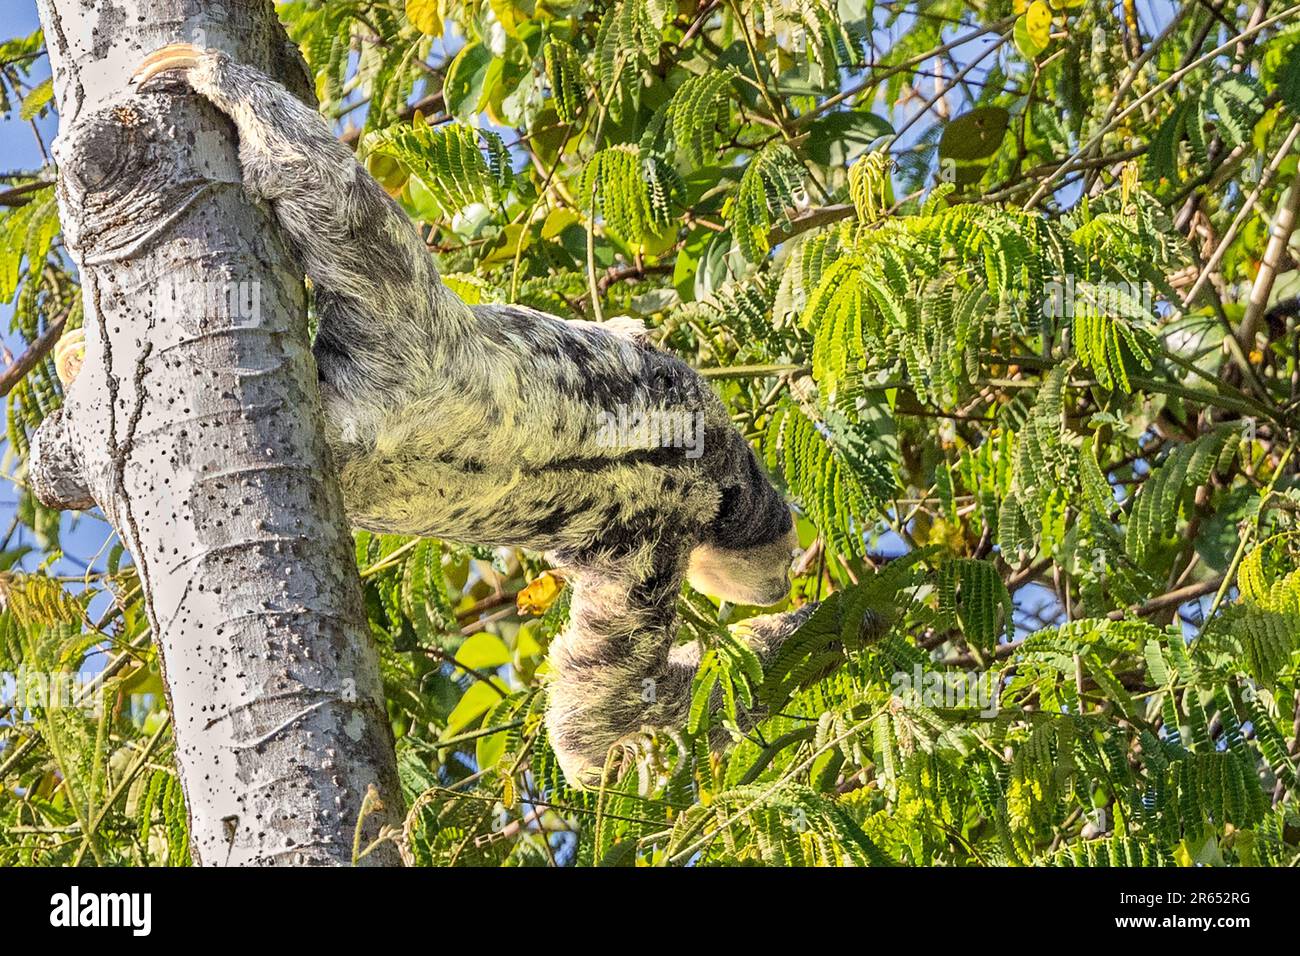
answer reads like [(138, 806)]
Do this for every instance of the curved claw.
[(172, 58), (69, 353)]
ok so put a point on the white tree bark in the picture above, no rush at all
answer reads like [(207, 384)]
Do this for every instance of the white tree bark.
[(195, 425)]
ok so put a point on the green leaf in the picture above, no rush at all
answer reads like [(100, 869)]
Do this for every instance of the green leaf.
[(482, 652), (772, 186), (473, 704), (489, 749), (455, 171), (974, 135), (469, 79), (37, 99)]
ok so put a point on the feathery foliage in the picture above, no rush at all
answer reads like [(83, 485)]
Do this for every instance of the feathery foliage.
[(993, 349)]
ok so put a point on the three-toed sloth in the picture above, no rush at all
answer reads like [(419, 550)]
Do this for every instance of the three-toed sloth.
[(487, 424)]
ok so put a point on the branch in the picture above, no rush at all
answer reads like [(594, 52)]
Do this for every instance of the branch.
[(20, 195), (195, 423), (811, 218), (1217, 255), (630, 272), (1164, 602), (1173, 599), (881, 71), (1279, 237), (32, 357)]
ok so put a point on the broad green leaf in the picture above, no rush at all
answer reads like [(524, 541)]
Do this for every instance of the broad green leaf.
[(483, 652), (473, 704), (468, 80), (974, 135)]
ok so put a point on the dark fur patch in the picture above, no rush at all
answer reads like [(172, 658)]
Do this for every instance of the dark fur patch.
[(752, 512)]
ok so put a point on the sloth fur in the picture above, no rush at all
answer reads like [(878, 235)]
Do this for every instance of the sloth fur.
[(483, 424)]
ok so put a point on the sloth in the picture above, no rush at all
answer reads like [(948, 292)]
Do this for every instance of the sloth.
[(488, 425)]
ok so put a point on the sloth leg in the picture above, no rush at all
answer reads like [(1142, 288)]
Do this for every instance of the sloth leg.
[(615, 669), (378, 294)]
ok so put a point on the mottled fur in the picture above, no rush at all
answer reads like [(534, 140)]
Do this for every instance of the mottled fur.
[(479, 424)]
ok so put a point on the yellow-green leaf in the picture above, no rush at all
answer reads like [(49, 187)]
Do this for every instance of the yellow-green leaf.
[(425, 16), (557, 220), (1029, 47), (473, 705), (36, 100), (483, 651), (1038, 21), (974, 135), (488, 750)]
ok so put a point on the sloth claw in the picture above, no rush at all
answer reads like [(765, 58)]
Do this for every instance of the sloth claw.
[(173, 58)]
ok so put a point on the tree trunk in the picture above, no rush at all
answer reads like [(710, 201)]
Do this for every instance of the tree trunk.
[(195, 424)]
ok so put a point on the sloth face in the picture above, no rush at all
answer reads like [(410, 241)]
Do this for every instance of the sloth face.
[(756, 575)]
